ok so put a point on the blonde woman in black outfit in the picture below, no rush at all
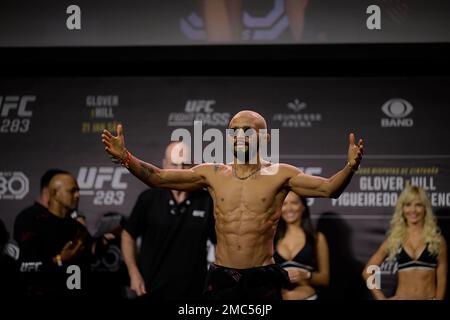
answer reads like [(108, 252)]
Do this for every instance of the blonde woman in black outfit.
[(420, 250)]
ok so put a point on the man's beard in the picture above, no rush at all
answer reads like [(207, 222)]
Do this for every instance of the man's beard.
[(246, 155)]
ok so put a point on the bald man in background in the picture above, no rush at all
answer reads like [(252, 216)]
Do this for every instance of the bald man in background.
[(174, 227), (40, 205), (52, 240), (27, 215)]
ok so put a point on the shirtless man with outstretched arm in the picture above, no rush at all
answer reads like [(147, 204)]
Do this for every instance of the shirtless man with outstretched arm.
[(247, 202)]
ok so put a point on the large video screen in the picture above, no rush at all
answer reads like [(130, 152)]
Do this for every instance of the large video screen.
[(184, 22)]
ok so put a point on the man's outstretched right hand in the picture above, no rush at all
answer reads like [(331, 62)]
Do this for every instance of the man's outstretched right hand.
[(115, 145)]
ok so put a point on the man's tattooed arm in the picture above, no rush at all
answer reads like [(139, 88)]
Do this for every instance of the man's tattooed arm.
[(179, 179)]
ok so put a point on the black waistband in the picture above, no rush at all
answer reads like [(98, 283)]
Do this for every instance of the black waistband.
[(254, 275)]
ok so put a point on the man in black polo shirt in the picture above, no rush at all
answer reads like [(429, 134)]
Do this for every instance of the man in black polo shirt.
[(174, 227)]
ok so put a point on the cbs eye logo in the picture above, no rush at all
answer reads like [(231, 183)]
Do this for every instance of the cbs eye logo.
[(397, 108)]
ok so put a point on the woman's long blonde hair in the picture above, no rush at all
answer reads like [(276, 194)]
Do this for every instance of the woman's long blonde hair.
[(398, 230)]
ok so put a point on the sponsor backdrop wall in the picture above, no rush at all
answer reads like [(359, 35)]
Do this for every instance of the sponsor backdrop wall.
[(56, 123)]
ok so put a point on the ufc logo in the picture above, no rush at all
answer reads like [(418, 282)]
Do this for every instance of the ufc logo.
[(30, 266), (8, 103), (95, 178), (199, 105)]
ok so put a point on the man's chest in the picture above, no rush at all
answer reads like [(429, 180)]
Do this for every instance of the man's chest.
[(258, 193)]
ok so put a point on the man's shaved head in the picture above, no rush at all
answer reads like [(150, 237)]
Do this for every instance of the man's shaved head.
[(253, 117), (60, 180), (63, 194), (246, 126)]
